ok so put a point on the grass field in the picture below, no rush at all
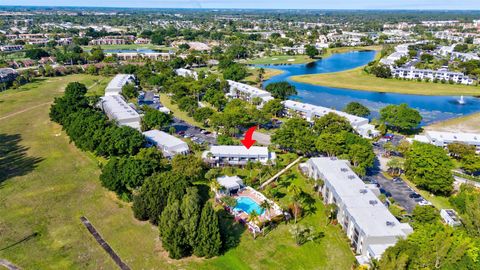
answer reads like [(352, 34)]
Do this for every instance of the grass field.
[(469, 123), (269, 73), (359, 80), (281, 60), (49, 184), (331, 51)]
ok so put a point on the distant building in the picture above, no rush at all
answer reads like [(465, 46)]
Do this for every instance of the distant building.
[(422, 74), (368, 224), (108, 41), (310, 112), (170, 145), (443, 139), (186, 73), (247, 92), (115, 86), (450, 217), (7, 75), (237, 155), (11, 48), (127, 56), (117, 109)]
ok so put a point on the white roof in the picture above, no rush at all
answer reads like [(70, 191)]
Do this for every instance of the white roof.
[(230, 182), (321, 111), (116, 107), (164, 139), (238, 150), (372, 217), (251, 90), (470, 138), (118, 82)]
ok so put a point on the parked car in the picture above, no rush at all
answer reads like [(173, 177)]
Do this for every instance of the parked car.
[(414, 195)]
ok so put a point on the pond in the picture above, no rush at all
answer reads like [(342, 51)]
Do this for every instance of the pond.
[(432, 108)]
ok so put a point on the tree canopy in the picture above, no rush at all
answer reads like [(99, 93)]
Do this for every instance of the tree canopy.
[(400, 117), (281, 90)]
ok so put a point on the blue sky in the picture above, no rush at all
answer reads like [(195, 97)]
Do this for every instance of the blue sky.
[(274, 4)]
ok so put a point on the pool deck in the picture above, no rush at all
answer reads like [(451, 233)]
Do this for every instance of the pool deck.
[(258, 198)]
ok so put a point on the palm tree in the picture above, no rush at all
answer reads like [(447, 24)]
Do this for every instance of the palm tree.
[(215, 186), (253, 217), (267, 206), (296, 191), (261, 73)]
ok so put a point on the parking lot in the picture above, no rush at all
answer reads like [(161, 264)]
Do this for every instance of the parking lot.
[(196, 134)]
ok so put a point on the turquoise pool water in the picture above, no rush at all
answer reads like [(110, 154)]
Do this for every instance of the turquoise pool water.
[(248, 205)]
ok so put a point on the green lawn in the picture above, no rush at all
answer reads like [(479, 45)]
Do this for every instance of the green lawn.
[(359, 80), (53, 184), (253, 75), (468, 123), (281, 60)]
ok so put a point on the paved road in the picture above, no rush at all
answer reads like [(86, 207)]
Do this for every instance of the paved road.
[(9, 265), (398, 190), (261, 138)]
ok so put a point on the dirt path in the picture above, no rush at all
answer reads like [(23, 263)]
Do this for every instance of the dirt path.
[(24, 110), (38, 105), (104, 244), (8, 265)]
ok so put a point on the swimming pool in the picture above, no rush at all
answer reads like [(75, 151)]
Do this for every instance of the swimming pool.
[(248, 205)]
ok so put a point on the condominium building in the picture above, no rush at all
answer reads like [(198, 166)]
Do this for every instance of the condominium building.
[(369, 226), (126, 56), (186, 73), (413, 73), (115, 86), (7, 75), (117, 109), (108, 41), (11, 48), (247, 92), (220, 155), (443, 139), (170, 145), (310, 112)]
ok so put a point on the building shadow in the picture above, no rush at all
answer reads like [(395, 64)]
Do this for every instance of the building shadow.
[(13, 157)]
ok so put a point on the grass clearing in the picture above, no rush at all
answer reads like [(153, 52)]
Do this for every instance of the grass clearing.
[(41, 204), (468, 123), (253, 75), (358, 79), (281, 60)]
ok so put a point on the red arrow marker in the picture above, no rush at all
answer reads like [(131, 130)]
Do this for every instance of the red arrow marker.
[(248, 141)]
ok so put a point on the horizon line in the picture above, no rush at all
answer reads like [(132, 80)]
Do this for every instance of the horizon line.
[(233, 8)]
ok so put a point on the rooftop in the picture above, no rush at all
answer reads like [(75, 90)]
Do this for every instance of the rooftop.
[(119, 81), (163, 138), (238, 150), (365, 208)]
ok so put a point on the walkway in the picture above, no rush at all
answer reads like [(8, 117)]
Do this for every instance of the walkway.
[(104, 244), (280, 173), (8, 265), (460, 180)]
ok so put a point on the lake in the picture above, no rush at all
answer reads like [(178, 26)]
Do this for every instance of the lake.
[(432, 108)]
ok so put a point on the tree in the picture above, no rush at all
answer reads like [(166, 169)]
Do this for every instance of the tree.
[(311, 51), (295, 134), (400, 117), (460, 150), (425, 214), (471, 164), (209, 241), (203, 114), (191, 210), (235, 72), (396, 166), (381, 71), (356, 108), (267, 206), (155, 119), (281, 90), (36, 53), (331, 144), (96, 54), (331, 123), (273, 107), (429, 167), (261, 74), (295, 198), (362, 156), (129, 91), (173, 235)]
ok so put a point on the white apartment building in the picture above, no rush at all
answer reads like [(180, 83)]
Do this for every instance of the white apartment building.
[(247, 92), (168, 144), (443, 139), (117, 109), (114, 87), (369, 226), (310, 112), (413, 73), (400, 51), (186, 73), (11, 48), (239, 155)]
